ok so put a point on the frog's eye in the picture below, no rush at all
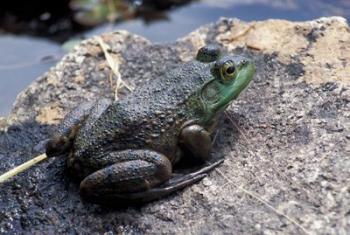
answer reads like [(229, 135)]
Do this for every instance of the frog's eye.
[(228, 71)]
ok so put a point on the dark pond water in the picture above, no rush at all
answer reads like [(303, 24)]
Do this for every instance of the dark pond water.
[(24, 58)]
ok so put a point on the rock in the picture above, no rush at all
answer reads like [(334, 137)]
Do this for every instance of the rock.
[(285, 141)]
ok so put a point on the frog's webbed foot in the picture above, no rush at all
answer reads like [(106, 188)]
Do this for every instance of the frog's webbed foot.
[(63, 138), (154, 193), (202, 171)]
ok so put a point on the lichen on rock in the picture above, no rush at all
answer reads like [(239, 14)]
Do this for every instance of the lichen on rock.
[(285, 141)]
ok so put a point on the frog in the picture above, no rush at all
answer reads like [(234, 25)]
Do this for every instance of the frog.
[(124, 151)]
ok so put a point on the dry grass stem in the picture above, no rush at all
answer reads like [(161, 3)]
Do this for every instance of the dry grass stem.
[(22, 167), (114, 65)]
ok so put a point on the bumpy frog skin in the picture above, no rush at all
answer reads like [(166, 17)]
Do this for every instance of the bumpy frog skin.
[(125, 150)]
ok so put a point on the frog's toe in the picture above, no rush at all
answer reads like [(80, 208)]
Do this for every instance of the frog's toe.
[(201, 171), (162, 191)]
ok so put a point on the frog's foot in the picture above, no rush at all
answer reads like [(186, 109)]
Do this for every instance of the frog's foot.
[(175, 183), (204, 170)]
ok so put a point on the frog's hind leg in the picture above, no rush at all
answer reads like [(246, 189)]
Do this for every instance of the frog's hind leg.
[(63, 137), (137, 176), (173, 184), (123, 173)]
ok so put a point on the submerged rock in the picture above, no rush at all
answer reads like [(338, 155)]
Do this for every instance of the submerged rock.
[(285, 141)]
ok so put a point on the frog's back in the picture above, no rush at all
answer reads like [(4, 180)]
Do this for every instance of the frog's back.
[(150, 117), (173, 89)]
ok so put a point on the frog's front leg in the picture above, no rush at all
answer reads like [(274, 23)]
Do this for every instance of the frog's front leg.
[(135, 176), (62, 139), (196, 139)]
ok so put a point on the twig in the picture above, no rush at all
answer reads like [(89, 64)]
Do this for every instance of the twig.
[(22, 167), (242, 33), (114, 65)]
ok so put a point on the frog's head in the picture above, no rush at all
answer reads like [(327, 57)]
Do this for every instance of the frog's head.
[(230, 76)]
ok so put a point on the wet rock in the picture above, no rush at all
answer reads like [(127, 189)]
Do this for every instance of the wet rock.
[(285, 141)]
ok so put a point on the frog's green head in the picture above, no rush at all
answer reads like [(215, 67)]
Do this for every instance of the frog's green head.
[(231, 75)]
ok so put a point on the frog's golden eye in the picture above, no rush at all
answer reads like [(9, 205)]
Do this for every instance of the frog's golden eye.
[(228, 71)]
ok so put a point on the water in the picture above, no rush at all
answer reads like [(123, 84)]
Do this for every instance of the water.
[(185, 19), (22, 60), (21, 56)]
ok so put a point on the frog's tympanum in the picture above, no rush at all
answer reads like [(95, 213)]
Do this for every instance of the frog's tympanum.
[(125, 150)]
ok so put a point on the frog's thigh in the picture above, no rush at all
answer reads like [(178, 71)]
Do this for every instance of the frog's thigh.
[(77, 116), (197, 140), (62, 139), (133, 171)]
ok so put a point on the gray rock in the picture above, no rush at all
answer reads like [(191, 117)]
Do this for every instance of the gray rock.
[(285, 141)]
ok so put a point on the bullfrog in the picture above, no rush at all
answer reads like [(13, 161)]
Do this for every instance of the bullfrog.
[(125, 150)]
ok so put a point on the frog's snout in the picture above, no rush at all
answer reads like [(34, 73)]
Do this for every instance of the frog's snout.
[(248, 64), (245, 62)]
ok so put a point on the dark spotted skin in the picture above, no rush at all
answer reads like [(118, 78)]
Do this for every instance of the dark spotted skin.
[(125, 150)]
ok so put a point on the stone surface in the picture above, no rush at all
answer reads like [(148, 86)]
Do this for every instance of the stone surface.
[(285, 141)]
